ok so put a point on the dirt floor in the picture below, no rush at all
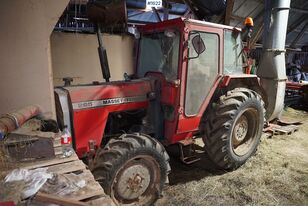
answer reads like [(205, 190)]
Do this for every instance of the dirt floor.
[(276, 175)]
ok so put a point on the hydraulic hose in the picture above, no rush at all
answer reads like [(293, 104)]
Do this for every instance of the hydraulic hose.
[(13, 120)]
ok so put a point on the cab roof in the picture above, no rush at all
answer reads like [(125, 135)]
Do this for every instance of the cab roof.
[(182, 22)]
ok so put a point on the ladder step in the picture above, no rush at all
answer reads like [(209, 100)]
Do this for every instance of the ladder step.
[(191, 155)]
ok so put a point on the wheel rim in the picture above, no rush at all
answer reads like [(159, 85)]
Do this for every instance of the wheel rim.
[(137, 181), (244, 132)]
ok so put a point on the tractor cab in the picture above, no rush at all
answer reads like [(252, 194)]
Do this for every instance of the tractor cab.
[(191, 58), (189, 82)]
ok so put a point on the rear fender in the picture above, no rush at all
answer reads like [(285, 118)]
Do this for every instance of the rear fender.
[(246, 81), (231, 82)]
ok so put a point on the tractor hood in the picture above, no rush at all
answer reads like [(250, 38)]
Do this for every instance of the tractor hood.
[(85, 108), (114, 93)]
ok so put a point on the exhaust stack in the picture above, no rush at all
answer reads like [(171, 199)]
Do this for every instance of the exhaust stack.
[(102, 55), (272, 71), (110, 15)]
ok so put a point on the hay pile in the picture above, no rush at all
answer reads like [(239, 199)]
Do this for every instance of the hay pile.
[(277, 175)]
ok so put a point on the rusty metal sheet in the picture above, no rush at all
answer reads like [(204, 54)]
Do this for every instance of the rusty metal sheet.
[(107, 13), (22, 147)]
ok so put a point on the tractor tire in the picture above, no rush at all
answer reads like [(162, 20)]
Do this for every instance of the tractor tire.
[(132, 169), (234, 127)]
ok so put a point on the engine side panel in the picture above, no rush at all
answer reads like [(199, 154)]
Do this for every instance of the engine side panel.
[(89, 124), (91, 106)]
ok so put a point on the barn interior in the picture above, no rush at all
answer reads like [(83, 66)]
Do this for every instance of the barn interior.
[(51, 48)]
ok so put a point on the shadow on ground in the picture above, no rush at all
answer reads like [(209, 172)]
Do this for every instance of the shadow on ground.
[(276, 175), (183, 173)]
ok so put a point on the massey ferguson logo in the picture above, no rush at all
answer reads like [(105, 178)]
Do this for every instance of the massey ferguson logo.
[(106, 102)]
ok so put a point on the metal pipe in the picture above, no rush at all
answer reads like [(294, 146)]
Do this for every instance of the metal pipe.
[(272, 71), (13, 120), (102, 53)]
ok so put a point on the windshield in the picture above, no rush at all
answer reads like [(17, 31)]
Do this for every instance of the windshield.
[(233, 62), (159, 52)]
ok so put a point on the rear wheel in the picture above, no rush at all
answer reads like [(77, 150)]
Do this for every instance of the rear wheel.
[(132, 169), (234, 127)]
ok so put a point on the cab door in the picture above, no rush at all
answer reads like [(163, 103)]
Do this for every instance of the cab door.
[(201, 77)]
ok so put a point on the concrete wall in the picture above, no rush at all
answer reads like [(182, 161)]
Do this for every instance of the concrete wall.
[(75, 55), (25, 61)]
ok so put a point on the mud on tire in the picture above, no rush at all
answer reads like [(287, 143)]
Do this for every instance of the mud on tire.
[(234, 127), (132, 169)]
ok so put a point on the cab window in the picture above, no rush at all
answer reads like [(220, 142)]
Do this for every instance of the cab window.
[(233, 63), (201, 72)]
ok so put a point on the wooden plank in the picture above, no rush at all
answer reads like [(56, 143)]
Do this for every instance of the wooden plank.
[(58, 150), (102, 201), (286, 129), (89, 194), (57, 160), (92, 188), (67, 167), (278, 129), (229, 9), (63, 201), (88, 175), (57, 142), (257, 35)]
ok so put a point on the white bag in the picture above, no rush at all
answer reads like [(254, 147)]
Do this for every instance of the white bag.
[(34, 180)]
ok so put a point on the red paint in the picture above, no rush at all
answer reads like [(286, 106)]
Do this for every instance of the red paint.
[(226, 79), (108, 90), (7, 203), (66, 140), (89, 124), (294, 85), (189, 124)]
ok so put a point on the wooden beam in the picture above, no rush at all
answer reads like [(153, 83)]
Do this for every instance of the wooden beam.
[(296, 23), (63, 201), (239, 18), (257, 35), (79, 1), (229, 9), (298, 10), (299, 36)]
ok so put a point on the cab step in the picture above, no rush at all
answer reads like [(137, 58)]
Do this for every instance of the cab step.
[(188, 154)]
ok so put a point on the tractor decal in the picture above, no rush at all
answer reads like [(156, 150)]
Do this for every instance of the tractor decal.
[(106, 102)]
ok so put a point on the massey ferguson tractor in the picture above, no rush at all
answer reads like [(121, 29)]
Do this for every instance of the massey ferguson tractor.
[(189, 82)]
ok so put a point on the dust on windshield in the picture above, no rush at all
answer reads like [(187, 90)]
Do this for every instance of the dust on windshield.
[(159, 52), (233, 62)]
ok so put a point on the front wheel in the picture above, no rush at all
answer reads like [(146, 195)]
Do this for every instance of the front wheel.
[(234, 127), (132, 169)]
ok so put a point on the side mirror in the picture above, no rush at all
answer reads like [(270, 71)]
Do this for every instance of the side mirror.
[(198, 45)]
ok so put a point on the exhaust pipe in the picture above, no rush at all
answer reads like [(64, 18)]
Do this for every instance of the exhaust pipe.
[(11, 121), (102, 55), (272, 70)]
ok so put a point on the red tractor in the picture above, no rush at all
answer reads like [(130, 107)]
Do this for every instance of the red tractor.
[(188, 82)]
